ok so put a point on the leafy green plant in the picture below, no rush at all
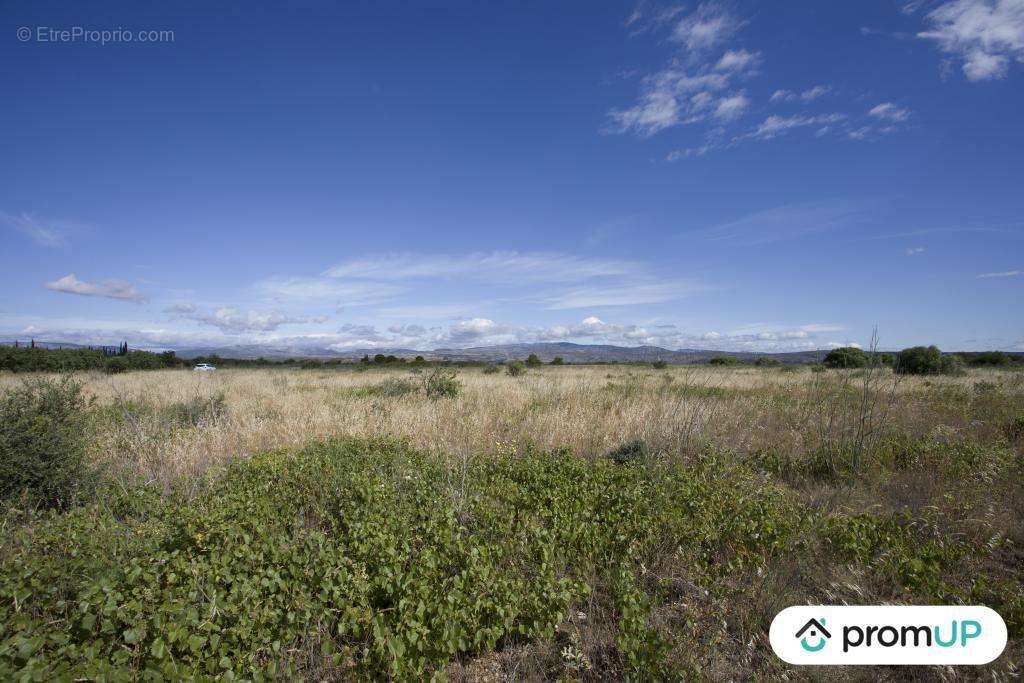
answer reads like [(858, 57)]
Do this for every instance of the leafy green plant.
[(198, 411), (442, 383), (846, 357), (533, 361), (630, 452), (491, 368), (659, 364), (919, 360), (515, 368), (43, 442)]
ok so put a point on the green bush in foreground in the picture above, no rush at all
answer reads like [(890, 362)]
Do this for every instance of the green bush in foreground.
[(358, 558), (43, 442)]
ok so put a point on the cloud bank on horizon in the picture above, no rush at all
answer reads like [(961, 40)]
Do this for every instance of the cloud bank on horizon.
[(713, 175)]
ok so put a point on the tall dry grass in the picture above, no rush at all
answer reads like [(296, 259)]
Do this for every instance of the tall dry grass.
[(585, 409)]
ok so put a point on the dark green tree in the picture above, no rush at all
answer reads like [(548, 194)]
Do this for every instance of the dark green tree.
[(846, 357)]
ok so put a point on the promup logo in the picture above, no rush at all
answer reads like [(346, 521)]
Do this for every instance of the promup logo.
[(817, 629), (888, 635)]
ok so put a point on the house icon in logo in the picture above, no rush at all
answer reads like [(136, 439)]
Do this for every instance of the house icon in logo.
[(817, 630)]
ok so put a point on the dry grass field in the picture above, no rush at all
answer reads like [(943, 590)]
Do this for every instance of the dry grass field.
[(888, 489)]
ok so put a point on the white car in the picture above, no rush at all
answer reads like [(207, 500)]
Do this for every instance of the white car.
[(203, 367)]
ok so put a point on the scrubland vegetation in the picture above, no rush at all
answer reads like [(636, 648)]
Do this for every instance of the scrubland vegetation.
[(547, 522)]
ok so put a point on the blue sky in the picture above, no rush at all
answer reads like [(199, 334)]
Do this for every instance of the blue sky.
[(703, 175)]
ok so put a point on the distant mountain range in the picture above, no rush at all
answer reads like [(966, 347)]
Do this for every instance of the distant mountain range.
[(571, 353)]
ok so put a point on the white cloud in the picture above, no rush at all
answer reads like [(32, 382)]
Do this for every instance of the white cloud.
[(687, 90), (428, 310), (890, 112), (501, 266), (808, 95), (311, 288), (738, 60), (776, 125), (914, 251), (626, 294), (785, 222), (730, 107), (109, 289), (230, 320), (1005, 273), (45, 234), (985, 34), (705, 28), (814, 93)]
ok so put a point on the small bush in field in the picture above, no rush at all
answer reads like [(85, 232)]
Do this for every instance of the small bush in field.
[(442, 383), (197, 411), (491, 368), (515, 368), (919, 360), (659, 365), (846, 357), (43, 442), (630, 452), (724, 360), (1014, 429), (533, 360), (558, 360), (766, 362), (116, 365), (395, 388)]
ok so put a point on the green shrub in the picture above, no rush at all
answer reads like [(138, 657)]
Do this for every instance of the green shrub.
[(442, 383), (1014, 429), (352, 560), (990, 358), (491, 368), (725, 360), (515, 368), (767, 362), (630, 452), (395, 388), (43, 442), (659, 364), (115, 365), (952, 364), (533, 361), (846, 357), (558, 360), (919, 360), (197, 411)]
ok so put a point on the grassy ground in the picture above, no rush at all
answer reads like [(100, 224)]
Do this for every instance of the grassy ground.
[(582, 522)]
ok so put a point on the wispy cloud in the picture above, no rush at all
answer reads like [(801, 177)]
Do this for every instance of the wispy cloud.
[(890, 112), (624, 294), (501, 266), (776, 125), (707, 27), (785, 222), (230, 320), (1005, 273), (109, 289), (914, 251), (986, 35), (808, 95), (697, 83), (44, 233), (346, 293)]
